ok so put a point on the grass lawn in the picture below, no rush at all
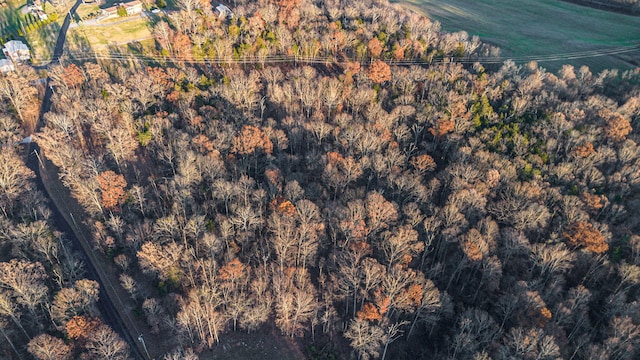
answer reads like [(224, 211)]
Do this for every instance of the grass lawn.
[(85, 10), (9, 17), (529, 28), (107, 34), (43, 41)]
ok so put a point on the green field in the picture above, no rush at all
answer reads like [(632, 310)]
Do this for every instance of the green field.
[(84, 10), (113, 32), (43, 41), (528, 29), (10, 18), (40, 36)]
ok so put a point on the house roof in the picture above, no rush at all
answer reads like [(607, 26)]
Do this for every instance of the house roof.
[(132, 3), (14, 46), (6, 64), (223, 8)]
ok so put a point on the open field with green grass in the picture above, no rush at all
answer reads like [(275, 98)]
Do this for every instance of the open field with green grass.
[(43, 41), (10, 17), (527, 29), (40, 36), (85, 10), (104, 34)]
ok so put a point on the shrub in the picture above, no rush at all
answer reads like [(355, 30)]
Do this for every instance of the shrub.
[(144, 137)]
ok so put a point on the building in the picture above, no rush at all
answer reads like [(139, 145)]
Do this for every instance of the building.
[(6, 66), (110, 11), (17, 51), (223, 12), (132, 8), (41, 15)]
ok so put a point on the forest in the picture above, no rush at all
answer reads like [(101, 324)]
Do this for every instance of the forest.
[(396, 200)]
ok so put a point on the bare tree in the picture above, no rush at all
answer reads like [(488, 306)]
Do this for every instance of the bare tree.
[(529, 344), (26, 281), (47, 347), (366, 339), (295, 300), (20, 94), (14, 176), (400, 246), (199, 320), (78, 300), (104, 343)]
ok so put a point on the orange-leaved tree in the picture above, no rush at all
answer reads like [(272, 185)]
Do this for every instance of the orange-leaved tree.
[(80, 327), (585, 234), (375, 47), (369, 312), (72, 76), (423, 163), (250, 139), (618, 127), (111, 188), (282, 206), (379, 72), (442, 127)]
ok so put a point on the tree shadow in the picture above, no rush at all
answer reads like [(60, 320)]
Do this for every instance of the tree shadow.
[(42, 42), (121, 55), (82, 48), (153, 19), (10, 23)]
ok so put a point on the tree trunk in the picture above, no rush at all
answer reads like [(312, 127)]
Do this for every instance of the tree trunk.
[(10, 343), (386, 345), (413, 324)]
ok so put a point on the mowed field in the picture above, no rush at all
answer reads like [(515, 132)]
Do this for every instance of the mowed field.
[(112, 32), (552, 31)]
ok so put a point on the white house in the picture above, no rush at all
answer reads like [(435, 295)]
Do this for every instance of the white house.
[(6, 66), (110, 12), (133, 7), (223, 12), (17, 51), (41, 15)]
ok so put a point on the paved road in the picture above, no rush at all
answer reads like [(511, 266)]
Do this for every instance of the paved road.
[(62, 35), (106, 305), (106, 302), (62, 38)]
